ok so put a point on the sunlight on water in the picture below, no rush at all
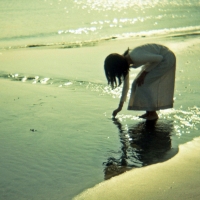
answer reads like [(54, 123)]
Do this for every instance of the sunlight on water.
[(184, 120), (115, 5), (79, 30), (119, 5)]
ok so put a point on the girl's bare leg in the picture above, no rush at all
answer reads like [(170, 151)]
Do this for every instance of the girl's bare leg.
[(144, 115), (151, 115)]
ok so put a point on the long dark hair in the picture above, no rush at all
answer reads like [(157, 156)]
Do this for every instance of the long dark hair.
[(116, 68)]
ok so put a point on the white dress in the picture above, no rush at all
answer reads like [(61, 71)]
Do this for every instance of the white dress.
[(158, 89)]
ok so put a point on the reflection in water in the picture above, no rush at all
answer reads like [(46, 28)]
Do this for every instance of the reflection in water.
[(145, 143)]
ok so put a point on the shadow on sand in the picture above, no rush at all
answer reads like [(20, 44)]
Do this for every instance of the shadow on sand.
[(145, 143)]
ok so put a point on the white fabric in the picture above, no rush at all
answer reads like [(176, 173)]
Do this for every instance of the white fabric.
[(158, 89)]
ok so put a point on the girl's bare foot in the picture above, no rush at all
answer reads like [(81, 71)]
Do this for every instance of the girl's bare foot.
[(143, 116), (151, 116)]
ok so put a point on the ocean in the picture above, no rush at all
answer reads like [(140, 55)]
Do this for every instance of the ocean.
[(77, 23), (57, 134)]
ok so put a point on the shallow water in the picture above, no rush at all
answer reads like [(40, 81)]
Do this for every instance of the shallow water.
[(54, 140), (57, 134), (46, 145)]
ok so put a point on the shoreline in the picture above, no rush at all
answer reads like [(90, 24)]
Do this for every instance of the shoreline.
[(176, 178), (97, 42), (189, 35)]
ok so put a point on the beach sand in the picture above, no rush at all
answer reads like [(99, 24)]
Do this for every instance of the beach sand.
[(177, 178), (37, 120)]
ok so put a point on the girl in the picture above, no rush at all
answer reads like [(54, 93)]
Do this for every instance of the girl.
[(153, 88)]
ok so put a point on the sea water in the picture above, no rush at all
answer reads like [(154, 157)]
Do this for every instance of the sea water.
[(56, 161), (65, 22)]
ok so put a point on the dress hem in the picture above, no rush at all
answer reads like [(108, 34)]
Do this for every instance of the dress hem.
[(149, 108)]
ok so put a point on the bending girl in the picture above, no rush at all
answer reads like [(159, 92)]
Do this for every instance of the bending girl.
[(153, 88)]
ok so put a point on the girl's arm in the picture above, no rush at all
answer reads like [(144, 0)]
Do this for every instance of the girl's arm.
[(125, 89), (150, 60), (123, 96)]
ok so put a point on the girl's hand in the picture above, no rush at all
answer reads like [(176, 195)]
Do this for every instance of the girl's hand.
[(140, 79), (116, 111)]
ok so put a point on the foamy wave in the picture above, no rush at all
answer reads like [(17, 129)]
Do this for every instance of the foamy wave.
[(190, 30), (174, 32)]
